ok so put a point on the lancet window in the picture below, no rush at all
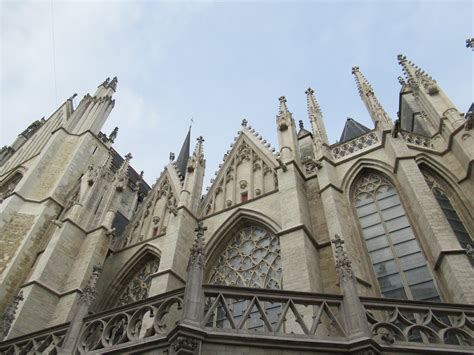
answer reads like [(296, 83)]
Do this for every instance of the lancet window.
[(399, 264), (442, 196), (9, 186), (251, 259), (138, 287)]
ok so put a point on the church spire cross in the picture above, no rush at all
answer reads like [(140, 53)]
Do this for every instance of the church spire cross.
[(366, 92), (244, 122)]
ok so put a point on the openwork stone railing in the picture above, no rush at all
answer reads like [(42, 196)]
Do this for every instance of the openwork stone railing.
[(245, 310), (427, 325), (42, 342), (416, 139), (348, 148), (153, 318), (238, 313)]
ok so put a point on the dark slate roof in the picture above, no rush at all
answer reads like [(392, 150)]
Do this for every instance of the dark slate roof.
[(133, 176), (183, 157), (352, 129), (302, 132)]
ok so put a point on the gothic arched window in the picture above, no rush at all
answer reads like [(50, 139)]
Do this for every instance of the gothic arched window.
[(138, 286), (399, 264), (251, 259), (442, 196)]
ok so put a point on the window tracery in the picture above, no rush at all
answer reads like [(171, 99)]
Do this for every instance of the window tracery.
[(399, 265), (443, 198), (138, 287), (252, 259)]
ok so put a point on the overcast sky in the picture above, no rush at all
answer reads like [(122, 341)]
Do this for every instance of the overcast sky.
[(220, 62)]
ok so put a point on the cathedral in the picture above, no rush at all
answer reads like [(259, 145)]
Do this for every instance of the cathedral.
[(363, 246)]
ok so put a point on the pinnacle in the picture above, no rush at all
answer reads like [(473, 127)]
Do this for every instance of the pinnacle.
[(283, 107)]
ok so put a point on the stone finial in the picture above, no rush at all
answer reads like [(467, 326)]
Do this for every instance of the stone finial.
[(198, 253), (89, 292), (343, 264), (113, 134), (283, 107), (244, 122), (128, 157), (355, 69), (401, 81), (470, 43), (309, 91), (113, 84), (417, 78), (172, 156), (300, 123), (7, 318), (105, 83)]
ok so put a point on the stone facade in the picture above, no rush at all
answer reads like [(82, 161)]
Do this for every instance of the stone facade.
[(362, 246)]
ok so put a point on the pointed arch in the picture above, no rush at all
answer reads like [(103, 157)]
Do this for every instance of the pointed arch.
[(139, 267), (457, 215), (398, 262), (363, 164), (243, 225), (239, 217)]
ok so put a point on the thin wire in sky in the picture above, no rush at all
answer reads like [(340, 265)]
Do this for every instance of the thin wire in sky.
[(54, 53)]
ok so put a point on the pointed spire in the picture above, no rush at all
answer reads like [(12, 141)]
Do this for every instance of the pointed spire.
[(283, 107), (113, 84), (183, 156), (417, 78), (376, 111), (105, 83), (113, 134), (317, 122)]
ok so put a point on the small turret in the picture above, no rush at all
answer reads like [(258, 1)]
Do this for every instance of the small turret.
[(287, 133)]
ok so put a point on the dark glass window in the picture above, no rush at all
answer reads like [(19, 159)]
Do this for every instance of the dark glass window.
[(399, 264)]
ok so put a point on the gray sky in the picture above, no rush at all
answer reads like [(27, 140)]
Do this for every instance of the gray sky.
[(220, 62)]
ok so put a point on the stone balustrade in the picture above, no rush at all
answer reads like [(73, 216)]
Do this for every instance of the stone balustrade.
[(237, 314), (345, 149)]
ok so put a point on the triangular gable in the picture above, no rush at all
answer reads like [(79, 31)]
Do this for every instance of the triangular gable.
[(249, 148), (152, 217)]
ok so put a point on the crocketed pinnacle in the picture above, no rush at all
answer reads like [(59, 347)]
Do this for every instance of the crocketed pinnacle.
[(366, 92), (416, 77), (316, 118)]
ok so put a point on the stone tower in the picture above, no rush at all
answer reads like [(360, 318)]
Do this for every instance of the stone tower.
[(361, 246)]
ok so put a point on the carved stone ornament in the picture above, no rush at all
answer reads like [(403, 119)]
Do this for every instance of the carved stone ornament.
[(156, 219), (343, 264), (251, 259), (243, 184), (258, 192), (138, 287), (89, 291), (198, 253), (228, 203), (184, 343)]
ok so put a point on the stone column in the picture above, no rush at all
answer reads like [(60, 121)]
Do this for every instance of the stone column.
[(357, 326), (82, 308), (188, 336)]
